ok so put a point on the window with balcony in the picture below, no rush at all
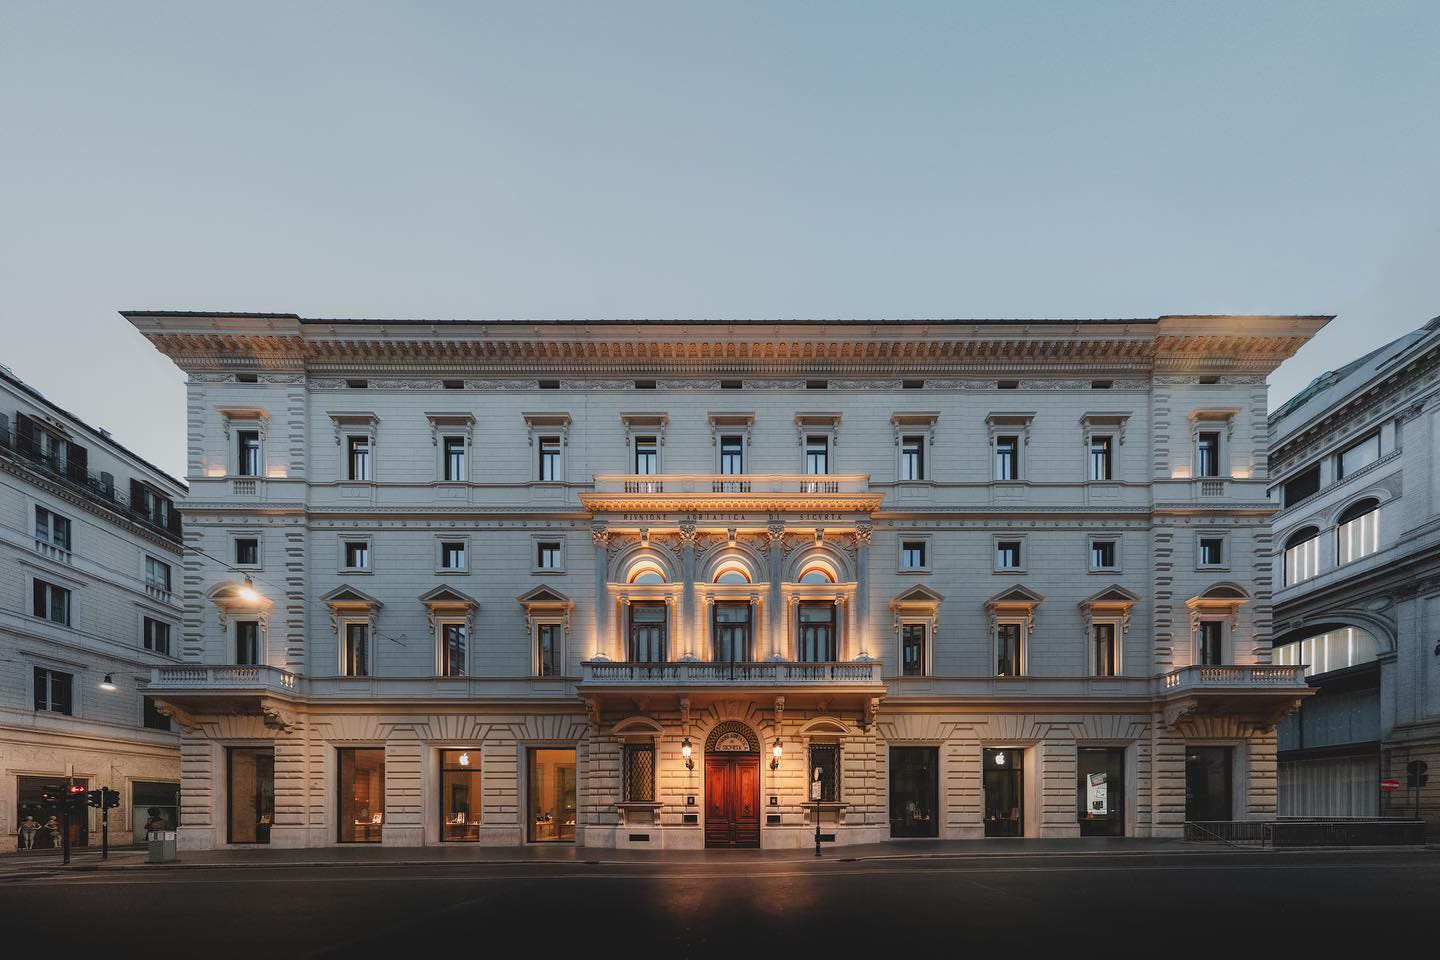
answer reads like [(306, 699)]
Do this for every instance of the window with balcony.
[(355, 657), (357, 457), (154, 507), (53, 691), (1207, 453), (1102, 457), (1302, 556), (157, 575), (247, 453), (1104, 555), (912, 649), (247, 642), (247, 552), (1104, 652), (639, 779), (453, 634), (52, 528), (817, 454), (648, 628), (817, 631), (1009, 648), (731, 631), (50, 601), (547, 649), (732, 454), (454, 454), (156, 635), (912, 457), (549, 459), (1007, 457), (825, 757), (647, 456), (1357, 456), (1210, 643), (1357, 531)]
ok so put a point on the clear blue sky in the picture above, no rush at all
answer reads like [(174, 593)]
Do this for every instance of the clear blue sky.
[(676, 159)]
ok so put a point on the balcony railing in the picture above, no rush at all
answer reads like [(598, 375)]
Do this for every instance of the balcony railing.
[(1251, 677), (747, 673), (721, 483), (224, 678)]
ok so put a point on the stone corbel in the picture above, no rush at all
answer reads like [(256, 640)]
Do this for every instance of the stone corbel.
[(684, 716), (276, 716), (182, 717), (779, 714), (592, 713), (600, 536), (864, 530)]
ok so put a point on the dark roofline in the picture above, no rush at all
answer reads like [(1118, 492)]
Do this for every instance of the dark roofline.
[(627, 321), (40, 398)]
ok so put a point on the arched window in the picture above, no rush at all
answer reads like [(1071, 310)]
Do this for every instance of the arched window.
[(1302, 555), (1325, 652), (1357, 532), (817, 571), (646, 571), (732, 571)]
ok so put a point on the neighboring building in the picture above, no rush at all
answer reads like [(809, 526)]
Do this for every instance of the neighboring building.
[(635, 583), (90, 565), (1357, 573)]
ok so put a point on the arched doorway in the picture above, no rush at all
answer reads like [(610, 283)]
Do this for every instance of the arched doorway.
[(732, 786)]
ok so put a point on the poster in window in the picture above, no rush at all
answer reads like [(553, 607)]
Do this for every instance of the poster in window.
[(1097, 797)]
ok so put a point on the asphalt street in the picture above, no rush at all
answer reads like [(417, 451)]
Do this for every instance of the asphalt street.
[(1233, 902)]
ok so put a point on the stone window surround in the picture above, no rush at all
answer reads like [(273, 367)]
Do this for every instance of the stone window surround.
[(344, 538), (539, 425), (1224, 537), (1214, 420), (356, 424), (905, 538), (751, 593), (999, 538), (736, 424), (258, 537), (451, 425), (917, 605), (236, 419), (440, 540), (1093, 539), (536, 539), (644, 425), (1009, 425), (910, 425), (825, 425), (1103, 424)]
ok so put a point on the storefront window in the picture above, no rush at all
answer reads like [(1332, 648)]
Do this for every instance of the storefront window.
[(154, 807), (251, 790), (1100, 792), (914, 792), (362, 794), (37, 811), (1208, 783), (1004, 781), (552, 795), (460, 795)]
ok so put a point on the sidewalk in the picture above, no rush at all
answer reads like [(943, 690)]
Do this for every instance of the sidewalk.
[(14, 866)]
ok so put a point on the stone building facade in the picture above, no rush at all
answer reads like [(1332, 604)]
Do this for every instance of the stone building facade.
[(90, 561), (667, 585), (1357, 575)]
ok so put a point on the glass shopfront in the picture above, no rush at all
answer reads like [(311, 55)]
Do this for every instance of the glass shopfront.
[(1004, 783), (154, 806), (1100, 791), (460, 795), (250, 789), (551, 787), (37, 811), (914, 792), (362, 794), (1208, 783)]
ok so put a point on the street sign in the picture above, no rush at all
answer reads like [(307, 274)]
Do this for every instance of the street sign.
[(1390, 784)]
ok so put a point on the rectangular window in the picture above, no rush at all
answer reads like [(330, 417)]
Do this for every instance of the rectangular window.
[(250, 789), (912, 650), (150, 505), (52, 449), (912, 555), (1357, 456), (459, 796), (53, 691), (1100, 458), (1008, 640), (248, 453), (452, 649), (1007, 555), (1007, 458), (455, 458), (817, 455), (52, 528), (1212, 551), (361, 793), (358, 458), (825, 757), (151, 718), (731, 630), (357, 554), (647, 456), (247, 552), (50, 602), (1300, 487), (452, 555), (1207, 454), (549, 458), (1211, 640), (817, 631), (547, 555), (547, 652), (732, 455), (648, 632), (1102, 555), (247, 642), (157, 574), (639, 772), (912, 458), (157, 635), (551, 794), (357, 650), (1103, 660)]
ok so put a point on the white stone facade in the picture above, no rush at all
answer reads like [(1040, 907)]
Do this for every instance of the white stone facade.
[(75, 539), (776, 539)]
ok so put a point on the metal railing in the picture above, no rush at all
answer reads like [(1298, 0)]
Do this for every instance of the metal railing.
[(749, 672), (1308, 832)]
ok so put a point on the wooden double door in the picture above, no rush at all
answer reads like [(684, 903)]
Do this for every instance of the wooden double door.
[(732, 800)]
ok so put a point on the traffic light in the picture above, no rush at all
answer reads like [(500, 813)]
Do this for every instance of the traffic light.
[(1416, 775), (109, 799), (76, 797), (93, 798)]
